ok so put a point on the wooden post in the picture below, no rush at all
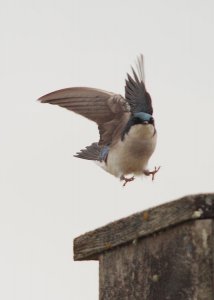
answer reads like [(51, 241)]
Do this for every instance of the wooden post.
[(164, 253)]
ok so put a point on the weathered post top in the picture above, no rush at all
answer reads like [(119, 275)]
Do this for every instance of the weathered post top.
[(90, 245), (164, 253)]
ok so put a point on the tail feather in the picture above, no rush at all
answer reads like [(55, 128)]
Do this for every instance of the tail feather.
[(91, 152)]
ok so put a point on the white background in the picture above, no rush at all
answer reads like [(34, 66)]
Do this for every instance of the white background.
[(47, 196)]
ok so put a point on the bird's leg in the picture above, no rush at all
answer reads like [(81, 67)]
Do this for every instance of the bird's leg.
[(126, 180), (148, 173)]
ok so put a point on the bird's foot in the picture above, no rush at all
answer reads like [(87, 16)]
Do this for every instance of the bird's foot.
[(148, 173), (126, 180)]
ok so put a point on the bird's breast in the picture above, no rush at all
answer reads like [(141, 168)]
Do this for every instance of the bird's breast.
[(132, 154)]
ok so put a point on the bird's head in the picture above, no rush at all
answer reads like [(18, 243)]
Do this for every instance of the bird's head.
[(142, 118), (139, 118)]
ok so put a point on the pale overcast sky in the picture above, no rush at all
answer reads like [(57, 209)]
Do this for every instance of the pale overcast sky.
[(47, 196)]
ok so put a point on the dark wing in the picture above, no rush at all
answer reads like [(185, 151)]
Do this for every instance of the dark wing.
[(104, 108), (135, 91)]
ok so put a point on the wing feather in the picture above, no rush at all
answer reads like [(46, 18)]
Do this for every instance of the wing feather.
[(135, 90), (97, 105)]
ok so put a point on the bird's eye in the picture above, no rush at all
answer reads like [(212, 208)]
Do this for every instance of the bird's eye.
[(151, 121)]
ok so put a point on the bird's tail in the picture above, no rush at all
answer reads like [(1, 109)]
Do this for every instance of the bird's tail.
[(91, 152)]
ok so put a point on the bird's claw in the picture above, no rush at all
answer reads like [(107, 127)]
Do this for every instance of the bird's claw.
[(148, 173), (126, 180)]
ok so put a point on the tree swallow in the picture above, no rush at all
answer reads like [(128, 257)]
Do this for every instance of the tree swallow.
[(126, 125)]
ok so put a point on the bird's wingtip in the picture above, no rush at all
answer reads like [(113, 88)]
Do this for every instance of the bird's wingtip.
[(44, 98), (141, 56), (41, 99), (140, 67)]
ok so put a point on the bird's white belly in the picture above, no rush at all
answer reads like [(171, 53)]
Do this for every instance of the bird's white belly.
[(132, 154)]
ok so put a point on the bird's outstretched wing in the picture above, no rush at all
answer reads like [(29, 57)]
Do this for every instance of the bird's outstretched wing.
[(104, 108), (135, 91)]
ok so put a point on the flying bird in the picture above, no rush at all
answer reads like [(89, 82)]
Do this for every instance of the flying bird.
[(126, 125)]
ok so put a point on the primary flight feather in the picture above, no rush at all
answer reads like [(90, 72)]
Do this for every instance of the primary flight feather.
[(126, 125)]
